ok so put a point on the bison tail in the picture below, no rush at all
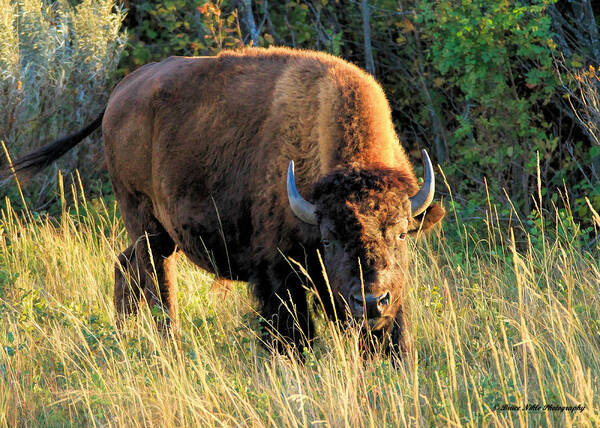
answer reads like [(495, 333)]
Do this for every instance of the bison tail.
[(34, 162)]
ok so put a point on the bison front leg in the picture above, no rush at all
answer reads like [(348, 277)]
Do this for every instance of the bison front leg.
[(400, 344), (286, 320)]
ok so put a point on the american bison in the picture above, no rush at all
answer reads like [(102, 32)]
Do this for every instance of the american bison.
[(211, 155)]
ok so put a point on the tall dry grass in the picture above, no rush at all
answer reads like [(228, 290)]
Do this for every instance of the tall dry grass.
[(496, 321)]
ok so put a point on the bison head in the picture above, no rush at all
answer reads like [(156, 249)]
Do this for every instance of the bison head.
[(364, 217)]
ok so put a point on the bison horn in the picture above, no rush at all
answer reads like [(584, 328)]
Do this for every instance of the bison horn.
[(303, 209), (423, 198)]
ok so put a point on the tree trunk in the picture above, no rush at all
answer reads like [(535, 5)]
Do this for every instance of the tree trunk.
[(366, 24)]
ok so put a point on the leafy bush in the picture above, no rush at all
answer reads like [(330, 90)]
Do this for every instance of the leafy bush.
[(199, 27), (496, 61), (56, 62), (178, 27)]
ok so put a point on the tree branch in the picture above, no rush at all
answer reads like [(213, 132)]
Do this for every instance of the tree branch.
[(250, 23)]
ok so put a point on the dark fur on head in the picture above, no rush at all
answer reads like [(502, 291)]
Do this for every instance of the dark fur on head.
[(364, 216), (360, 203)]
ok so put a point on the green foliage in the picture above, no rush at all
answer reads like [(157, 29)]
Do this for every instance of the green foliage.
[(480, 46), (496, 60), (302, 24), (199, 27), (56, 63), (178, 27), (476, 83)]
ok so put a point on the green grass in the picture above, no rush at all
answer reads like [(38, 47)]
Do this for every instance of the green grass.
[(495, 321)]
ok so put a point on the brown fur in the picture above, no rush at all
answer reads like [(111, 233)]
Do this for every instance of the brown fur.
[(197, 150)]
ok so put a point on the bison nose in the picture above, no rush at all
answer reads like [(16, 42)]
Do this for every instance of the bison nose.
[(372, 305)]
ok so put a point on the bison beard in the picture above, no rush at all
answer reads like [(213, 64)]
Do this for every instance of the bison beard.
[(198, 150)]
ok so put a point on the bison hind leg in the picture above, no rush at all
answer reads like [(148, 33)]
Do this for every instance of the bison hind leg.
[(127, 286), (146, 270), (139, 278)]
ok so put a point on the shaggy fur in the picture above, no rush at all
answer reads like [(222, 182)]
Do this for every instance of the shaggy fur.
[(197, 150)]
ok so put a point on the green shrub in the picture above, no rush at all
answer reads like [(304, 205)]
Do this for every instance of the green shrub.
[(476, 83), (200, 27), (496, 58), (56, 62), (178, 27)]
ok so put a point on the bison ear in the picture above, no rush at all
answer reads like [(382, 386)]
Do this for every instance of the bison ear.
[(425, 222)]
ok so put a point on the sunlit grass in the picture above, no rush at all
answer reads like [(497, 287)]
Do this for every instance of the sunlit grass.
[(496, 321)]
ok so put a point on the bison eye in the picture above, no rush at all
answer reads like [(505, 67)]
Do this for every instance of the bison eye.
[(326, 243), (402, 236)]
